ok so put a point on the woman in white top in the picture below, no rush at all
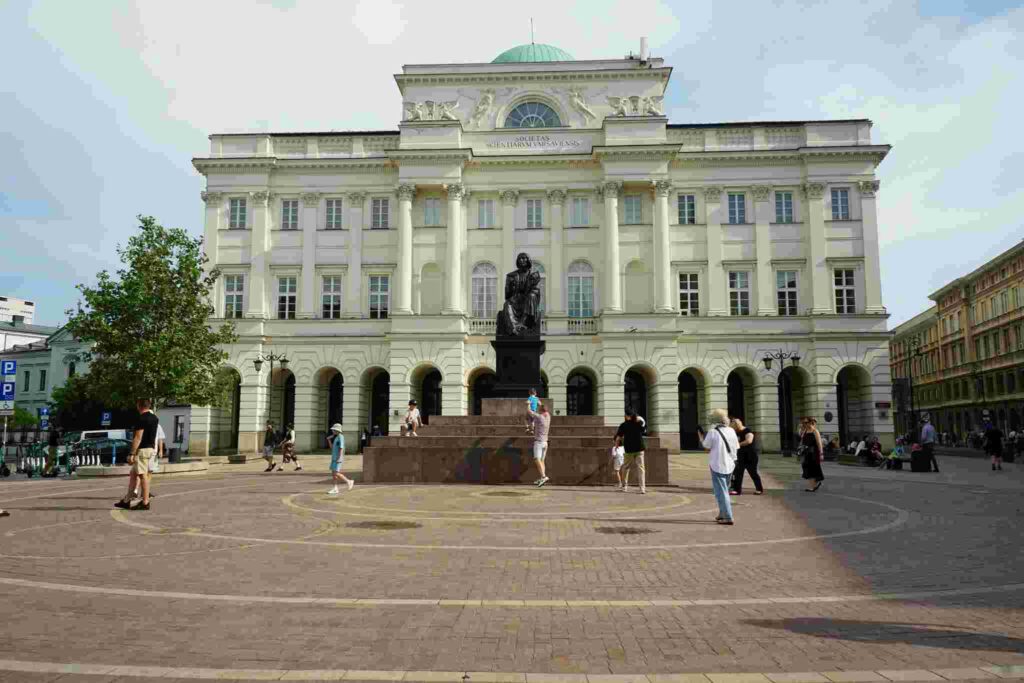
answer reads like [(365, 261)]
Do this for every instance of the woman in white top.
[(721, 445), (411, 421)]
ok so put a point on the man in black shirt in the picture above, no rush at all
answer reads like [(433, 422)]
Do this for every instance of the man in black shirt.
[(631, 437), (994, 444), (143, 449)]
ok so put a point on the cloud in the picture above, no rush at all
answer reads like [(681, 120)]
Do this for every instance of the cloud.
[(120, 95)]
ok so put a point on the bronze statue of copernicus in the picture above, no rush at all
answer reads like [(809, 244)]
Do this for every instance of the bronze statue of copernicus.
[(520, 315)]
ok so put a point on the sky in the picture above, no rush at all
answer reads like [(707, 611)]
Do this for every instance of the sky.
[(104, 103)]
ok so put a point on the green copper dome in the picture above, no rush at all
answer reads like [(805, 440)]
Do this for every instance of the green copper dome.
[(533, 52)]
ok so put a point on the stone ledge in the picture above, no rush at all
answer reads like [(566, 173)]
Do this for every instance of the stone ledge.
[(166, 470)]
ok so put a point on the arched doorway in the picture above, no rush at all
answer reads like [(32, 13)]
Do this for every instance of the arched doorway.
[(635, 393), (430, 390), (329, 405), (579, 394), (380, 397), (735, 398), (791, 405), (282, 399), (481, 387), (853, 402), (224, 416), (690, 388)]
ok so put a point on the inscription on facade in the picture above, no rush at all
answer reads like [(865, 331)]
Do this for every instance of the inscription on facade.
[(538, 143)]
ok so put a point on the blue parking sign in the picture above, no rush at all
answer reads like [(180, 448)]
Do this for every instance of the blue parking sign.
[(7, 391), (105, 419), (8, 370)]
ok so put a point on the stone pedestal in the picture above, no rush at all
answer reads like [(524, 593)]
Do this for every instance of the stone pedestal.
[(511, 407), (518, 366)]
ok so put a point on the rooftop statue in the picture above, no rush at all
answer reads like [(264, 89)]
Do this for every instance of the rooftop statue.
[(520, 315)]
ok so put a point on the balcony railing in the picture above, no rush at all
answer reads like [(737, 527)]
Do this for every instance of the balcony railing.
[(487, 327), (483, 326), (582, 325)]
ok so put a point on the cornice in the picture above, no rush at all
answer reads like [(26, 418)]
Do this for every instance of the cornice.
[(204, 164), (270, 164), (576, 160), (664, 151), (450, 154), (874, 153), (659, 74)]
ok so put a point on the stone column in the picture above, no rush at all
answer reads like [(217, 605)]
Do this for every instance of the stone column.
[(453, 266), (762, 242), (717, 304), (556, 271), (814, 196), (613, 280), (405, 197), (662, 248), (353, 416), (211, 238), (307, 413), (872, 266), (509, 199), (354, 286), (308, 293), (663, 409), (258, 264)]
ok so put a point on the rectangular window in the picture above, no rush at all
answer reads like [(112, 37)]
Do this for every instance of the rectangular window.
[(986, 346), (1011, 383), (840, 204), (1007, 347), (785, 291), (687, 209), (432, 211), (632, 211), (996, 347), (334, 214), (379, 219), (290, 214), (534, 213), (485, 207), (846, 299), (28, 380), (783, 207), (737, 208), (234, 292), (236, 214), (380, 296), (739, 292), (484, 295), (1004, 301), (580, 212), (581, 296), (689, 294), (1020, 336), (286, 297), (977, 349), (42, 380), (331, 297)]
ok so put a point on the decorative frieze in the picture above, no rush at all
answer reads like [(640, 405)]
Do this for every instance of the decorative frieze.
[(356, 198), (813, 190), (456, 191), (713, 194), (261, 197), (611, 188), (431, 111), (868, 188), (509, 196), (556, 197), (662, 188), (637, 105), (311, 199), (761, 192), (211, 197), (407, 192)]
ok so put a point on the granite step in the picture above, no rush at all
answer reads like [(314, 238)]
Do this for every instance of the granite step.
[(490, 420), (496, 440), (512, 430)]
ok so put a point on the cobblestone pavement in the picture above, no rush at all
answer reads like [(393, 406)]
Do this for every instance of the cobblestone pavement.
[(883, 575)]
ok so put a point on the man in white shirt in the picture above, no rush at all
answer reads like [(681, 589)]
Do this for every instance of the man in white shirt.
[(721, 445)]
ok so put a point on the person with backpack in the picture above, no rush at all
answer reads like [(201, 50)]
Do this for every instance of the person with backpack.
[(721, 445)]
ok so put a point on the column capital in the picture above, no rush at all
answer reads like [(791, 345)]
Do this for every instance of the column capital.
[(611, 188), (406, 192), (509, 196), (456, 192), (311, 198), (713, 194), (662, 188), (357, 197), (761, 192), (813, 190), (556, 197), (211, 197), (260, 197), (868, 188)]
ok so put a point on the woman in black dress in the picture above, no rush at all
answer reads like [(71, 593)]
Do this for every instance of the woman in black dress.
[(810, 446)]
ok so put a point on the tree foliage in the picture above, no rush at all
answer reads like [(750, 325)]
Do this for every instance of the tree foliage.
[(149, 324), (22, 418)]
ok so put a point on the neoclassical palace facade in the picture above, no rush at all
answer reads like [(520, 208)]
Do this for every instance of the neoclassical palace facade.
[(674, 257)]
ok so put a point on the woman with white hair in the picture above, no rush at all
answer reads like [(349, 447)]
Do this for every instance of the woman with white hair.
[(721, 445)]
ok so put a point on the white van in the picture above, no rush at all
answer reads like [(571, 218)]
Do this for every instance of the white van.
[(77, 437)]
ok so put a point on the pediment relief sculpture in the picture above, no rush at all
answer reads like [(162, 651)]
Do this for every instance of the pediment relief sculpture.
[(637, 105), (431, 111), (579, 103), (483, 108)]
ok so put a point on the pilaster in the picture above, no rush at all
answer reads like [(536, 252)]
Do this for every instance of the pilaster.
[(211, 238), (307, 293), (354, 286), (872, 266), (453, 274), (762, 243), (354, 416), (613, 278), (509, 199), (258, 264), (716, 276), (555, 275), (307, 430), (662, 249), (814, 193), (406, 193)]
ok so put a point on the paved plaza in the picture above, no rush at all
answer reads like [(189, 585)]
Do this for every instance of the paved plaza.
[(244, 576)]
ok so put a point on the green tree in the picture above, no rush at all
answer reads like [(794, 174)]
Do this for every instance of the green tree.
[(149, 324), (22, 418)]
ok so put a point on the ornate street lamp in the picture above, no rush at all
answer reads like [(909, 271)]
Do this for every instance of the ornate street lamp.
[(782, 357), (257, 363)]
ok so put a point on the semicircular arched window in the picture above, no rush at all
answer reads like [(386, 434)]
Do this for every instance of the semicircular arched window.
[(532, 115)]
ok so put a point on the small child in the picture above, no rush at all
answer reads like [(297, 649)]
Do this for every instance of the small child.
[(411, 420), (533, 403), (337, 456), (618, 459)]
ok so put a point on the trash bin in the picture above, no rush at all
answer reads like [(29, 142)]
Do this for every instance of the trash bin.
[(174, 455)]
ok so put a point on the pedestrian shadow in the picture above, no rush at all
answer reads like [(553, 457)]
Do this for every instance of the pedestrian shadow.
[(648, 520), (924, 635)]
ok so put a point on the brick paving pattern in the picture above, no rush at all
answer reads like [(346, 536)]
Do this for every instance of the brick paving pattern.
[(239, 570)]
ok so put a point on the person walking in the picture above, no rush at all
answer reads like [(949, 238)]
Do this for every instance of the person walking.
[(721, 445), (811, 452), (994, 444), (142, 450), (928, 441), (411, 420), (747, 458), (541, 424), (337, 440), (631, 437), (269, 443), (154, 462), (288, 449)]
